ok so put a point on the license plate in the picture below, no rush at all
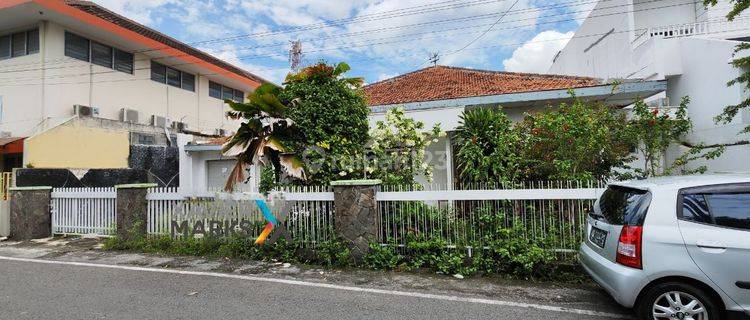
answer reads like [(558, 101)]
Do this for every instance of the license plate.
[(598, 237)]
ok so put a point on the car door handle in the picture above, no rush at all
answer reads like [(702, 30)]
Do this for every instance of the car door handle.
[(743, 284), (710, 245)]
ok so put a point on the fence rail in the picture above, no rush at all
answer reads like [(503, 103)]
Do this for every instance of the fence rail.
[(82, 211)]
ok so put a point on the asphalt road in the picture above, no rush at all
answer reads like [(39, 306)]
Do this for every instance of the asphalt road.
[(32, 290)]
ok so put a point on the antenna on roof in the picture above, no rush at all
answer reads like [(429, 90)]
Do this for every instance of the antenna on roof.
[(295, 55), (434, 58)]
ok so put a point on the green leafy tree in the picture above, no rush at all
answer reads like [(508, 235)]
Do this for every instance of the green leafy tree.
[(262, 136), (397, 151), (743, 63), (487, 147), (577, 141), (655, 131), (331, 112)]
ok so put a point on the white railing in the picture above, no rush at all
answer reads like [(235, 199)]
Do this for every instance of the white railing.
[(473, 217), (84, 211), (308, 212), (718, 26)]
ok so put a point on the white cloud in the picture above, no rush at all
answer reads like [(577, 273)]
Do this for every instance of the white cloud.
[(138, 10), (536, 54)]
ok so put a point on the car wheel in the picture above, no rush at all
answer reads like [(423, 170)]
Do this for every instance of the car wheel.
[(677, 301)]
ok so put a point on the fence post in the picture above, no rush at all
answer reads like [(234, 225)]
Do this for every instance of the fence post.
[(132, 209), (356, 215), (30, 214)]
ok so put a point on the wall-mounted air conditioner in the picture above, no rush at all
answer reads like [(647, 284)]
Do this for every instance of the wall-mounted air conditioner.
[(85, 111), (159, 122), (128, 115), (179, 126), (220, 132)]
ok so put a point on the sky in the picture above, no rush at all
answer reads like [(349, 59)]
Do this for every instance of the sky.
[(379, 39)]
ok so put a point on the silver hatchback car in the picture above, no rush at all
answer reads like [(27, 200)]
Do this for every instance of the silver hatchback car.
[(673, 247)]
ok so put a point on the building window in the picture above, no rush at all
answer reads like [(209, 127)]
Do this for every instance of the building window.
[(173, 77), (214, 90), (188, 82), (19, 44), (218, 91), (101, 55), (76, 47), (123, 61), (158, 72)]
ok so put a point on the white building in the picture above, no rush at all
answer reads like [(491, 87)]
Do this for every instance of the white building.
[(686, 44), (65, 58)]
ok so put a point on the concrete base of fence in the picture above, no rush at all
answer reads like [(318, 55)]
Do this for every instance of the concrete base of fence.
[(132, 210), (30, 214), (356, 214)]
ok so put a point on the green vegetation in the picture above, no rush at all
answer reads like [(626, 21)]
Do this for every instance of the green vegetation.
[(577, 141), (331, 112)]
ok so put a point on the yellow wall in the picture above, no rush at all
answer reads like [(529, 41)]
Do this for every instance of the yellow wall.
[(73, 146)]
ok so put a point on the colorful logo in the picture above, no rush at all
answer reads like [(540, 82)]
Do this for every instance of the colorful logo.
[(272, 222)]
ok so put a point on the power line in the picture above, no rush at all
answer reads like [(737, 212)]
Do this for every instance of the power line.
[(349, 45), (375, 58), (490, 28)]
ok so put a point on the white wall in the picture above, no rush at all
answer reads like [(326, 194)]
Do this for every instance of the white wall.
[(49, 92)]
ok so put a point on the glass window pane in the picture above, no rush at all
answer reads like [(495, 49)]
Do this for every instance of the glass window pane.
[(214, 90), (76, 46), (32, 41), (19, 44), (239, 96), (695, 208), (188, 81), (730, 210), (158, 72), (123, 61), (624, 206), (173, 77), (227, 93), (4, 47), (101, 55)]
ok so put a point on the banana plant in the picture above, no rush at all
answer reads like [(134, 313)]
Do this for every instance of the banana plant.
[(261, 135)]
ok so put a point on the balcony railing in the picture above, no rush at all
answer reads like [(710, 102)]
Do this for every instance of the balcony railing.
[(691, 29)]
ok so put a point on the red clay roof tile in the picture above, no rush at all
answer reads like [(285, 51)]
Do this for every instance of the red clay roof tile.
[(442, 82)]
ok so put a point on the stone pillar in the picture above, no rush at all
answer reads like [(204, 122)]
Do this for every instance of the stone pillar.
[(132, 209), (356, 215), (30, 214)]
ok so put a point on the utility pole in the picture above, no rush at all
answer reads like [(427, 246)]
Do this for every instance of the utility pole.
[(295, 55)]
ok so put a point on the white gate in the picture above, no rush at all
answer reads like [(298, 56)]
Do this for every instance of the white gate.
[(84, 211)]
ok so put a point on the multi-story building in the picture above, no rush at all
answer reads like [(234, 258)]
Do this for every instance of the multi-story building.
[(682, 42), (65, 58)]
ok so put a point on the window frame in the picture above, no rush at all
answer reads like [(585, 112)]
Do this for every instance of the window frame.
[(88, 46), (123, 53), (222, 89), (26, 43), (169, 82), (111, 54), (725, 188), (9, 47)]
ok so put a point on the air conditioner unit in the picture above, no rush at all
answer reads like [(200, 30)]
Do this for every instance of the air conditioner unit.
[(129, 115), (179, 126), (220, 132), (157, 121), (85, 111)]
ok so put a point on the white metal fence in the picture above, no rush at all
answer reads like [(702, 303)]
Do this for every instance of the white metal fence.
[(82, 211), (553, 212)]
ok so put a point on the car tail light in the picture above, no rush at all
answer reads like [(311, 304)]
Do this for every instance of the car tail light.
[(629, 247)]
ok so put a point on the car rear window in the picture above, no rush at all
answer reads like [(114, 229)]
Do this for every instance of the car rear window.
[(624, 206)]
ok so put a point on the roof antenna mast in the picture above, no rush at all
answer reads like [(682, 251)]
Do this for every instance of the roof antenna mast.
[(434, 58), (295, 55)]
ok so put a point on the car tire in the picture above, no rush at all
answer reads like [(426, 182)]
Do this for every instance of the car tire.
[(658, 294)]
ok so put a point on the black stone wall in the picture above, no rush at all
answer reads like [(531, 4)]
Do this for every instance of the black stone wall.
[(94, 178), (160, 163)]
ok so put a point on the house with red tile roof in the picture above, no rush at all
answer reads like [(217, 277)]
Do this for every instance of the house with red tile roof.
[(440, 94)]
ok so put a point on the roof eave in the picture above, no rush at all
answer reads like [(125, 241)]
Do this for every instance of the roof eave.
[(614, 94)]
